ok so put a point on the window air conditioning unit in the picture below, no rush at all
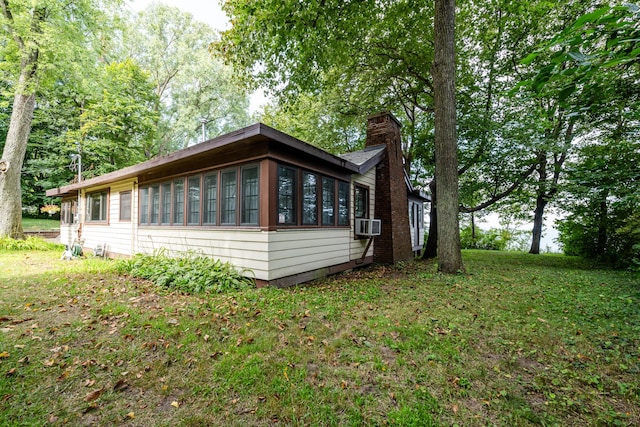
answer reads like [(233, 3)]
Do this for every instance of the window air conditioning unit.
[(368, 227)]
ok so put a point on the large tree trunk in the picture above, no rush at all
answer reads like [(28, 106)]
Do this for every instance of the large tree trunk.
[(24, 102), (431, 246), (538, 220), (603, 216), (443, 70), (12, 159)]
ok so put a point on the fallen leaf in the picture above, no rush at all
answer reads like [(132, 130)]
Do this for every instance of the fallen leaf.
[(4, 355), (93, 395), (131, 415), (120, 385), (11, 372), (175, 404)]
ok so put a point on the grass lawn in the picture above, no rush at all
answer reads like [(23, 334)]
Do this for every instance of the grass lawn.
[(33, 224), (519, 340)]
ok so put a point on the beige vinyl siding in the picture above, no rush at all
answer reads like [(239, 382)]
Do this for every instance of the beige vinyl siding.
[(245, 249), (298, 251), (268, 255), (357, 246), (68, 233), (116, 235)]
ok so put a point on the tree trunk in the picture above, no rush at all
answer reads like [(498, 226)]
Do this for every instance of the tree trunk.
[(431, 247), (443, 70), (538, 220), (12, 159), (473, 230), (603, 215)]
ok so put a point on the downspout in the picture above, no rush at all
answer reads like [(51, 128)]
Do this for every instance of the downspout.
[(134, 218)]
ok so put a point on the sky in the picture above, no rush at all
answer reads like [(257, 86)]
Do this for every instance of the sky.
[(208, 11)]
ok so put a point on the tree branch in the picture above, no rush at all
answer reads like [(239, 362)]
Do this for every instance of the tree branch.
[(524, 175)]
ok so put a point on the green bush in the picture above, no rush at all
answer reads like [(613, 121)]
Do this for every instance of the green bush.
[(192, 273), (614, 241), (493, 239), (31, 243)]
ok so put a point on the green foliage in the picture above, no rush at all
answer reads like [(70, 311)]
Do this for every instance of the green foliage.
[(118, 123), (31, 243), (602, 200), (190, 84), (192, 273), (492, 239)]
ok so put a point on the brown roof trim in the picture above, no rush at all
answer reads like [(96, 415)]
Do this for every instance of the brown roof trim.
[(254, 131)]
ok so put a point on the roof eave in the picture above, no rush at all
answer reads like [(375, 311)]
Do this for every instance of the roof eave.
[(258, 129)]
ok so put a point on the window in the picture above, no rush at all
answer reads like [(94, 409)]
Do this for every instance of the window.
[(155, 204), (229, 196), (68, 212), (361, 202), (125, 206), (286, 195), (309, 199), (212, 198), (165, 203), (343, 203), (144, 205), (328, 201), (97, 206), (313, 199), (178, 202), (210, 202), (194, 200), (250, 195)]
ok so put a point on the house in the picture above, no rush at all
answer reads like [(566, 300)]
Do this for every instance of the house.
[(259, 199)]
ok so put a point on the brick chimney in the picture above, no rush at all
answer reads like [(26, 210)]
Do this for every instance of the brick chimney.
[(392, 206)]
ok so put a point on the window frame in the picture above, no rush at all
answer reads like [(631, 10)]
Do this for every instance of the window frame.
[(292, 197), (343, 220), (164, 212), (125, 218), (255, 197), (154, 204), (178, 201), (295, 195), (190, 205), (365, 191), (68, 212), (303, 198), (104, 207), (174, 198), (331, 200), (206, 201), (228, 204)]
